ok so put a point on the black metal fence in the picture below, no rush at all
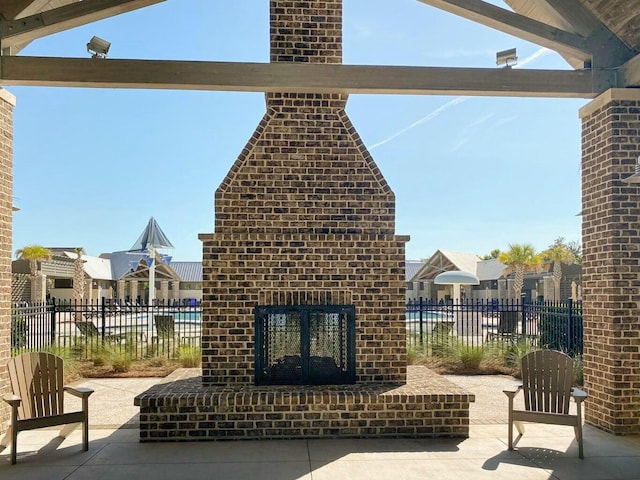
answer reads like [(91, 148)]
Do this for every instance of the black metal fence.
[(144, 331), (434, 326), (89, 328)]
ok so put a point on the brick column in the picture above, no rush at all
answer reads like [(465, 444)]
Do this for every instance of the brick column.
[(120, 288), (611, 260), (38, 288), (164, 290), (175, 290), (133, 290), (7, 102), (502, 289)]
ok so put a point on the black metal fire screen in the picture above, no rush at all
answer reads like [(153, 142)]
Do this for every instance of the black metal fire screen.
[(305, 345)]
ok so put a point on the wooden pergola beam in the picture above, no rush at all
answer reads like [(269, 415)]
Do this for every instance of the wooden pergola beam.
[(29, 28), (517, 25), (292, 77), (11, 9)]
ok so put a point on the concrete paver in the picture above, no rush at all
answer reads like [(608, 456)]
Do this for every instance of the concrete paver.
[(111, 404), (545, 452)]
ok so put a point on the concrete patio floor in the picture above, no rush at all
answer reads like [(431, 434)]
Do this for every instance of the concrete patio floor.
[(544, 452)]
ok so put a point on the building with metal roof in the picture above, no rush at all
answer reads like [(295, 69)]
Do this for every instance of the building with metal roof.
[(118, 275), (495, 280)]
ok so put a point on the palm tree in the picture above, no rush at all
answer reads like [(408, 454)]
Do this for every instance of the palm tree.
[(78, 281), (495, 253), (558, 253), (34, 254), (520, 258)]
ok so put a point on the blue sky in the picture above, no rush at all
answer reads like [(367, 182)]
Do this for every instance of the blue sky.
[(469, 173)]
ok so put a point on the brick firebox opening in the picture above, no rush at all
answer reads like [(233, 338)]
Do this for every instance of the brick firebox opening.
[(305, 345)]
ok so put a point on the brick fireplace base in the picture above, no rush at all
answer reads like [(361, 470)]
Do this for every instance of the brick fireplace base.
[(182, 409)]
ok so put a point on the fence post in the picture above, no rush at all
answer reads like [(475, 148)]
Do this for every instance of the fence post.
[(103, 315), (524, 317), (570, 329), (421, 324), (53, 320)]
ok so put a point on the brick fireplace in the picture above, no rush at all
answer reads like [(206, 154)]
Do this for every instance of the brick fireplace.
[(304, 230), (304, 217)]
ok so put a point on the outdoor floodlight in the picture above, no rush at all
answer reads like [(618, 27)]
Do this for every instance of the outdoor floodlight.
[(635, 177), (508, 58), (98, 48)]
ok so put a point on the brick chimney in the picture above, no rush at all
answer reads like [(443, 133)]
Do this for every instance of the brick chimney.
[(304, 217)]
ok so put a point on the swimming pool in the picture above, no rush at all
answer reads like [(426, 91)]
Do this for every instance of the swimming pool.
[(429, 317)]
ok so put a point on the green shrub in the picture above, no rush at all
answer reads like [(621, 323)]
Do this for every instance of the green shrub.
[(470, 356), (120, 360), (157, 361), (578, 372), (441, 342), (189, 356), (413, 353), (100, 359), (19, 331), (561, 331)]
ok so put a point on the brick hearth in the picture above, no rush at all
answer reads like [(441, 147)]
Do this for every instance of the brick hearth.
[(182, 409)]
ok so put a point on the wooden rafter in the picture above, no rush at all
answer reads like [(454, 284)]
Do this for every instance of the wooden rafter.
[(517, 25), (575, 13), (10, 9), (608, 49), (29, 28), (292, 77)]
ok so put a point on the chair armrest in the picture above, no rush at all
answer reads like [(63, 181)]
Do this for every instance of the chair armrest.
[(578, 395), (512, 391), (83, 392), (12, 400)]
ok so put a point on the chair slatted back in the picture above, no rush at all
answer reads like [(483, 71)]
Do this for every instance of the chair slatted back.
[(87, 328), (508, 322), (37, 378), (442, 329), (547, 378), (165, 325)]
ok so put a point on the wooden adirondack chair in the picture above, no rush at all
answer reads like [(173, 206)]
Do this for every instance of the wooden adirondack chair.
[(547, 378), (38, 399)]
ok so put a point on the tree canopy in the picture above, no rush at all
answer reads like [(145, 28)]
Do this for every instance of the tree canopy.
[(34, 254), (519, 258)]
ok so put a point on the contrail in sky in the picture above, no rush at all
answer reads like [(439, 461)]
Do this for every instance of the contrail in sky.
[(456, 101), (432, 115)]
